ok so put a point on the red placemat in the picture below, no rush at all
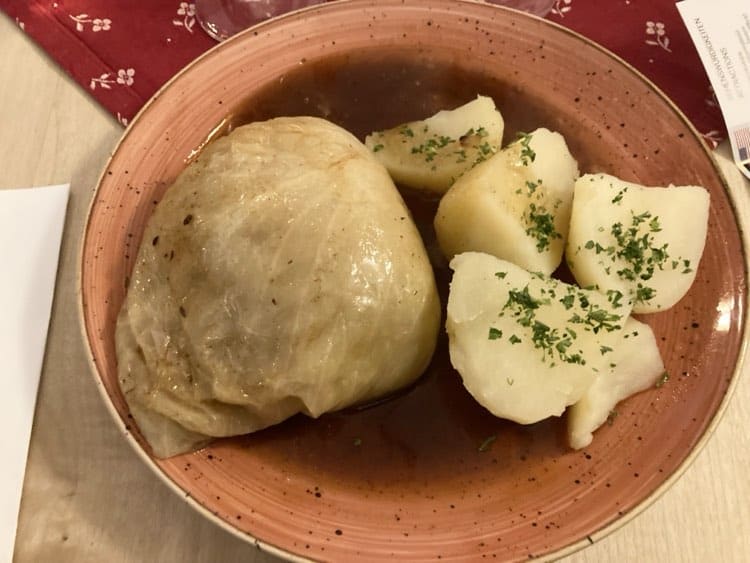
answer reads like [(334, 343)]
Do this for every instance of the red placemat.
[(122, 52)]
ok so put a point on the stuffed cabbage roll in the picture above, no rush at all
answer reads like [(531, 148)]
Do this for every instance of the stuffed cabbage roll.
[(281, 274)]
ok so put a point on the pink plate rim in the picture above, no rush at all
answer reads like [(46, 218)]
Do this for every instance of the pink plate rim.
[(320, 11)]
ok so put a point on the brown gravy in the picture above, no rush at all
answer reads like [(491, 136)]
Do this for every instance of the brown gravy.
[(424, 434)]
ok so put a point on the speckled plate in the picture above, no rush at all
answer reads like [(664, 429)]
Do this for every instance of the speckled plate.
[(406, 479)]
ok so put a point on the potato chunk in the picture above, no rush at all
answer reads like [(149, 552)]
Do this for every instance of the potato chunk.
[(515, 205), (635, 365), (642, 242), (431, 154), (526, 345)]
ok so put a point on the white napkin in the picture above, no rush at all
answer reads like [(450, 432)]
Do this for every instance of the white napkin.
[(31, 224), (720, 30)]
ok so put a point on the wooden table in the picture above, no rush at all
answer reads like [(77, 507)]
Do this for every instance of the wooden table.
[(88, 497)]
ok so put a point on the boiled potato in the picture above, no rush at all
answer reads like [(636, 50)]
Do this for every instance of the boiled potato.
[(431, 154), (526, 345), (642, 242), (635, 365), (515, 205)]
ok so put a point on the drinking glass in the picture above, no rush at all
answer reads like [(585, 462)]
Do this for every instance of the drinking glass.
[(223, 18)]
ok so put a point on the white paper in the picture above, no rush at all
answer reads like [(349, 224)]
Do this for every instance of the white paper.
[(720, 30), (31, 224)]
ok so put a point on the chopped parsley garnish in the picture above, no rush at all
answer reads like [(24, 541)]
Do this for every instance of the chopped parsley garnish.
[(532, 186), (485, 148), (522, 304), (604, 349), (614, 296), (434, 146), (431, 146), (406, 131), (485, 445), (643, 293), (377, 148), (501, 275), (618, 197), (541, 226), (494, 333), (597, 319), (637, 250), (662, 380), (554, 343), (611, 417), (527, 153)]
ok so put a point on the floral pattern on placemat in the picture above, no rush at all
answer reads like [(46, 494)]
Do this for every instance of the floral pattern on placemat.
[(84, 22), (93, 40), (186, 16), (652, 37)]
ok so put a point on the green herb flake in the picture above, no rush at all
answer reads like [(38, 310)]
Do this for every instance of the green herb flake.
[(553, 343), (527, 153), (568, 301), (614, 297), (662, 380), (604, 350), (532, 186), (636, 248), (485, 445), (431, 147), (597, 319), (522, 298), (378, 148), (501, 275), (540, 226), (644, 293), (611, 417), (618, 198), (406, 131), (494, 333)]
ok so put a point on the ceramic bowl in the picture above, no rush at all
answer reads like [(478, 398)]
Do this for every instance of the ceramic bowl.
[(407, 479)]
